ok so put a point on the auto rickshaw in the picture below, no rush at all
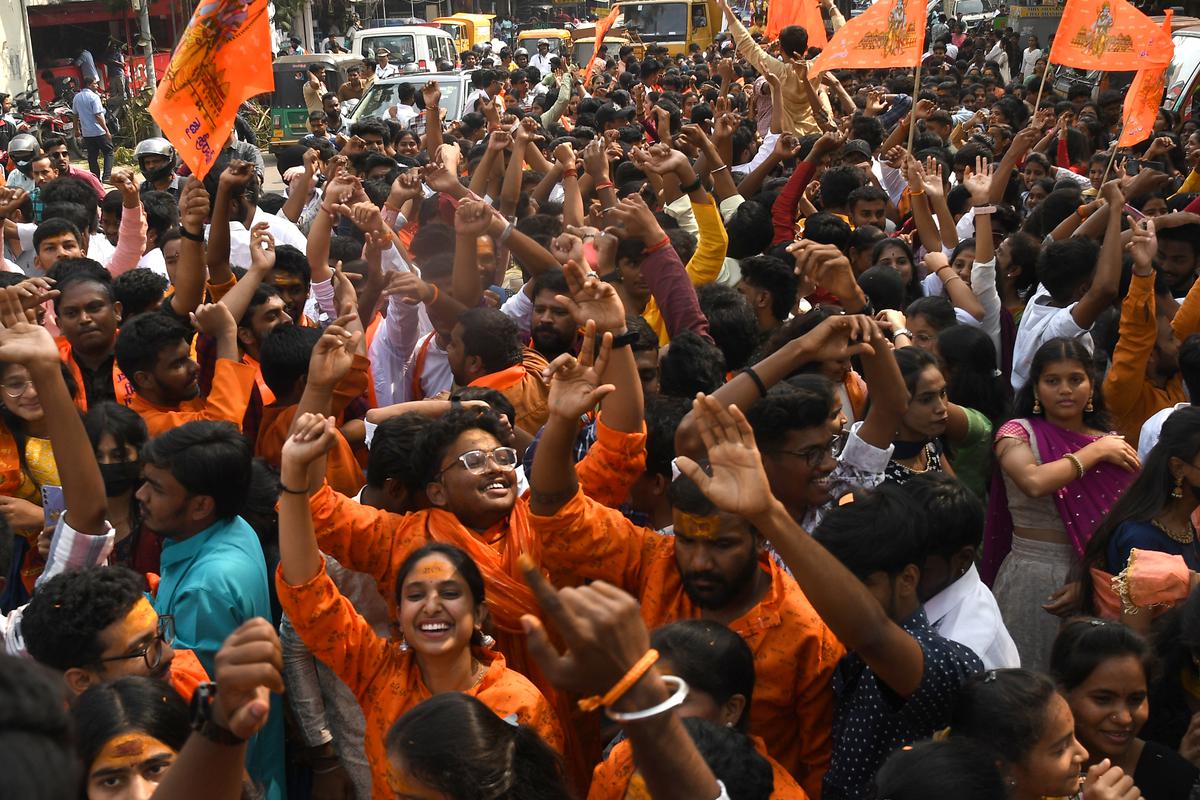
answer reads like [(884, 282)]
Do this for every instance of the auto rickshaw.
[(560, 40), (289, 114), (468, 30)]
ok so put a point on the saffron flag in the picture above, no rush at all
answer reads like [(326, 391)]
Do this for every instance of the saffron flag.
[(891, 33), (601, 29), (1109, 35), (806, 13), (223, 58), (1145, 95)]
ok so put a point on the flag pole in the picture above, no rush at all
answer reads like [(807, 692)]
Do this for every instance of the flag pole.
[(1111, 159), (1045, 73), (912, 122)]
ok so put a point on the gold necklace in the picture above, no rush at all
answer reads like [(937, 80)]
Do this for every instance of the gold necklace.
[(1183, 537)]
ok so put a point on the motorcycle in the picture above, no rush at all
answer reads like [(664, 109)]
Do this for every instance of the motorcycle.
[(57, 120)]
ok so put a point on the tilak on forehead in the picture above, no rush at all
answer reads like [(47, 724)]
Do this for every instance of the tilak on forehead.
[(434, 569), (697, 526), (127, 750)]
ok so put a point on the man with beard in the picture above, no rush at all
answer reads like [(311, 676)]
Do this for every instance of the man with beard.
[(552, 329), (714, 567), (96, 626), (154, 350), (214, 576), (1144, 376)]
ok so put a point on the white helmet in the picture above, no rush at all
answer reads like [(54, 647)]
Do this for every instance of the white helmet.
[(155, 146)]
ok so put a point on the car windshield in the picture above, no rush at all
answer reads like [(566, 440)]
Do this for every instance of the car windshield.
[(399, 46), (969, 7), (1183, 66), (382, 96), (656, 21), (583, 52)]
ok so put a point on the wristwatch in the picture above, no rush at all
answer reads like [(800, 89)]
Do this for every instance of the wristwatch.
[(202, 720), (902, 332)]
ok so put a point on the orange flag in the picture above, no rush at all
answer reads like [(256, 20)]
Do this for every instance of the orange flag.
[(223, 58), (601, 28), (1145, 95), (1109, 35), (890, 33), (807, 13)]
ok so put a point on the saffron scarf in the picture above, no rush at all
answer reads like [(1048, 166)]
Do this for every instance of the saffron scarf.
[(1081, 504)]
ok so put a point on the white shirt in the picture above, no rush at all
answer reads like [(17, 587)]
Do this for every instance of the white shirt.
[(542, 62), (390, 71), (966, 612), (436, 375), (155, 261), (284, 231), (1040, 323), (1029, 60), (405, 114), (1152, 429), (999, 56)]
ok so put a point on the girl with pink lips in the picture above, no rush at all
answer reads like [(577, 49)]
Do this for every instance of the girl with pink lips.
[(1101, 668)]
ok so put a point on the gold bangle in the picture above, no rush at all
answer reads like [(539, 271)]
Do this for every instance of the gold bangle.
[(1074, 459)]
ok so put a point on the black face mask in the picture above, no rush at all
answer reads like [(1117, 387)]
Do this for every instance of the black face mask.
[(119, 478)]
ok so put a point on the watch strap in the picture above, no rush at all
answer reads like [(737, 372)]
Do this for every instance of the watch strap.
[(202, 721), (625, 339)]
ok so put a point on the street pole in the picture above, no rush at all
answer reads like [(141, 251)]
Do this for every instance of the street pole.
[(148, 52)]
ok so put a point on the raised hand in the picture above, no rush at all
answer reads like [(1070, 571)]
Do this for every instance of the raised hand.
[(979, 180), (841, 337), (235, 176), (1144, 245), (247, 668), (123, 180), (661, 159), (472, 218), (735, 482), (333, 353), (194, 206), (600, 625), (262, 248), (632, 218), (409, 287), (592, 299), (575, 386), (22, 340), (407, 186), (214, 319), (1106, 781), (311, 437), (826, 266), (33, 292), (567, 247)]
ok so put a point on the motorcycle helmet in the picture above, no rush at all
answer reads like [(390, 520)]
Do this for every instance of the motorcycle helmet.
[(24, 149), (156, 146)]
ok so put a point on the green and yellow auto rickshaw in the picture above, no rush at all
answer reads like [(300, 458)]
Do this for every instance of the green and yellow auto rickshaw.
[(289, 114)]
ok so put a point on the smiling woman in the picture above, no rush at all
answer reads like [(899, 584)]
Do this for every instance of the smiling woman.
[(1102, 669), (440, 600)]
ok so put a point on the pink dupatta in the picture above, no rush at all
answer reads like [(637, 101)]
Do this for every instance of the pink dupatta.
[(1082, 503)]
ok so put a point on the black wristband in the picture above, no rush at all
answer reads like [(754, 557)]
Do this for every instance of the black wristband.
[(691, 187), (625, 339), (762, 387), (186, 234), (286, 490)]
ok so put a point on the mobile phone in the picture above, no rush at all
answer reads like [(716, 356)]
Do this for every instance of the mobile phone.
[(53, 504), (1133, 212), (1154, 165)]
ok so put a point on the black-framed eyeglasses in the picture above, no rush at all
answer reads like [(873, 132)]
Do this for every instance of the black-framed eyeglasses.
[(475, 461), (153, 650), (814, 455)]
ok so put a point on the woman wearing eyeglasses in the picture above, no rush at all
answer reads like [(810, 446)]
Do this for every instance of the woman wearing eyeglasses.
[(26, 464), (440, 604)]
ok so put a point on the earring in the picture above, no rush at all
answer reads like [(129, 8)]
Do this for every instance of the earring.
[(1037, 405), (1177, 492), (404, 648), (486, 639), (1089, 407)]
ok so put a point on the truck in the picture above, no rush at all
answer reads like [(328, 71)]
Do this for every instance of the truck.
[(674, 24)]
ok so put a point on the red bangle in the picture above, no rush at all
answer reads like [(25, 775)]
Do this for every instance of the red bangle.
[(654, 248), (570, 173), (605, 185)]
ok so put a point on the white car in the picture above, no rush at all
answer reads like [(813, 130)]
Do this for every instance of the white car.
[(381, 95), (418, 47)]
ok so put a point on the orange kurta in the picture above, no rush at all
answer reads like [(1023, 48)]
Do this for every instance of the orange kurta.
[(122, 388), (525, 388), (342, 469), (230, 395), (611, 778), (386, 681), (794, 652)]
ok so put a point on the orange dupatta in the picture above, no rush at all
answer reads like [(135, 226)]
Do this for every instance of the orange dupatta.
[(508, 596), (122, 386)]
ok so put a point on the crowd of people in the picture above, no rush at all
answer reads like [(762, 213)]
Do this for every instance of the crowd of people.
[(691, 427)]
